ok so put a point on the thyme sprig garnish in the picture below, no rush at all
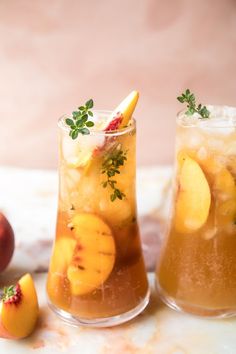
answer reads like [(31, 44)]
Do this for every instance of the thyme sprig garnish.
[(192, 107), (79, 122), (113, 160)]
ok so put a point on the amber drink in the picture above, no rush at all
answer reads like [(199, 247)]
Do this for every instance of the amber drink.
[(197, 269), (97, 275)]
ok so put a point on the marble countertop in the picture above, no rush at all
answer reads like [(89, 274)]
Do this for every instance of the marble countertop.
[(29, 200)]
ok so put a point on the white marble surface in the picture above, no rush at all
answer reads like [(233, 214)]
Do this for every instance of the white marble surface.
[(28, 198)]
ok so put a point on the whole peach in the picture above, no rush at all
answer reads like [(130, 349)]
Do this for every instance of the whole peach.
[(6, 242)]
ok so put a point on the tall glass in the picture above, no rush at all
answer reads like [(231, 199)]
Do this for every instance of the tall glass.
[(197, 269), (97, 275)]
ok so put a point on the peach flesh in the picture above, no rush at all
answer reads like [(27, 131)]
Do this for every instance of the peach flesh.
[(19, 311)]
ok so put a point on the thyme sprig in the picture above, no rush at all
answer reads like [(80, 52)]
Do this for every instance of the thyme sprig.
[(192, 107), (113, 160), (79, 122)]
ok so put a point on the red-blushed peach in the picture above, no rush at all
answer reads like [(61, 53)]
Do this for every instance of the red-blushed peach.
[(6, 242), (19, 309)]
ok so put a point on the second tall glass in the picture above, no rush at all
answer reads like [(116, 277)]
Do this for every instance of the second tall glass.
[(197, 269)]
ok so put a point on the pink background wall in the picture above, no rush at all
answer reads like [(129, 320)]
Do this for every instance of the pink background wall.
[(56, 54)]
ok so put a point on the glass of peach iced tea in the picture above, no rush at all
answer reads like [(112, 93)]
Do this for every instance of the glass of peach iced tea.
[(97, 275), (197, 270)]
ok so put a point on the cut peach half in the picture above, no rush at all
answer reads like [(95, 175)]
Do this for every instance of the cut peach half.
[(19, 309), (193, 198), (94, 255)]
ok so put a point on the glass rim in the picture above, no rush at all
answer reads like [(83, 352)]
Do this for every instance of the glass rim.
[(220, 113), (61, 124)]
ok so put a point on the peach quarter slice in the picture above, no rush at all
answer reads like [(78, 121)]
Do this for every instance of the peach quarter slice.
[(126, 108), (193, 198), (94, 255), (18, 315)]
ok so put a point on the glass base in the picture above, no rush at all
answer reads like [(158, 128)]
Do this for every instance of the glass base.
[(100, 322), (193, 309)]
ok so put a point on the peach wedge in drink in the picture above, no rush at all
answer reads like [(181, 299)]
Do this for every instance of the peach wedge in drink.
[(97, 270)]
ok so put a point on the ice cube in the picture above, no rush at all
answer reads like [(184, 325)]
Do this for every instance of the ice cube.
[(210, 233), (78, 152), (215, 144), (217, 126), (231, 148), (117, 212), (202, 153), (72, 178), (193, 138)]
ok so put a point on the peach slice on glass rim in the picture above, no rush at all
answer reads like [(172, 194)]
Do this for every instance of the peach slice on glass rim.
[(79, 152), (121, 116), (19, 309)]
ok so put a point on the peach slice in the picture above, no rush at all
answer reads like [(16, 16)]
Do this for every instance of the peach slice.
[(57, 280), (193, 198), (94, 255), (62, 255), (121, 116), (19, 309)]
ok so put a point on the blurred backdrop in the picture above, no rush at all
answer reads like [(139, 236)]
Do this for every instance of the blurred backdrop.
[(56, 54)]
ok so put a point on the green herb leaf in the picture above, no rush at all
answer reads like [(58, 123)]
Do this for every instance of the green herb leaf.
[(113, 197), (75, 134), (89, 104), (113, 160), (190, 99), (89, 124), (69, 121), (84, 131)]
